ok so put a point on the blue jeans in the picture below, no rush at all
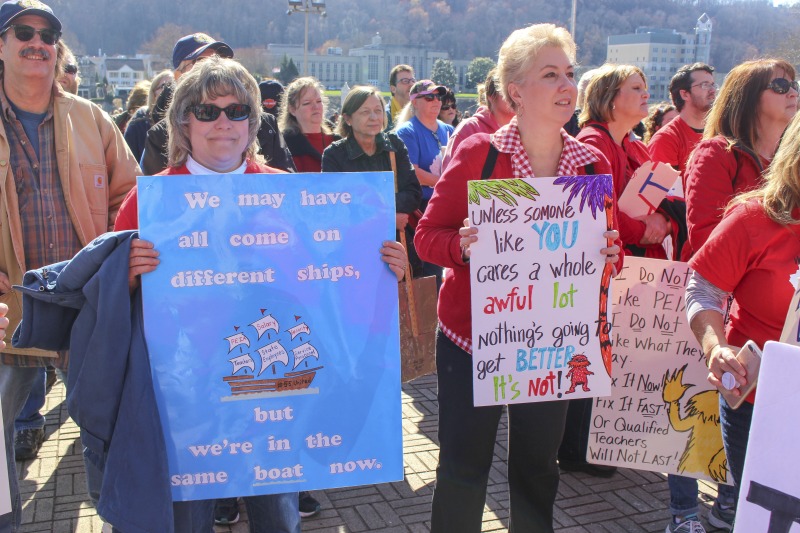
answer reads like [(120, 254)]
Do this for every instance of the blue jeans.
[(15, 385), (31, 417), (735, 433), (190, 517), (683, 495), (275, 513)]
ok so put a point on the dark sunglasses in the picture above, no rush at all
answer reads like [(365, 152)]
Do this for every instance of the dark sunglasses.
[(210, 112), (431, 97), (70, 69), (449, 107), (25, 33), (782, 85)]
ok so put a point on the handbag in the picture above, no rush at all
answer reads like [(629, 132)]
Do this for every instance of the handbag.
[(418, 320)]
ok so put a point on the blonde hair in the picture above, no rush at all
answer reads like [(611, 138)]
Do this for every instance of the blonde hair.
[(602, 89), (520, 49), (137, 97), (210, 79), (734, 114), (780, 193), (287, 122)]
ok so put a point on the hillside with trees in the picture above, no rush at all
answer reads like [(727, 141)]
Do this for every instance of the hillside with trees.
[(464, 28)]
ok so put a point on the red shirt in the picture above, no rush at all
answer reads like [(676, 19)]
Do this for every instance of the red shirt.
[(312, 163), (624, 160), (128, 216), (715, 174), (673, 144), (437, 239), (752, 256)]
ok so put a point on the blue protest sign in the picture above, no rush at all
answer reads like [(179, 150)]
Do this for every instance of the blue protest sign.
[(272, 329)]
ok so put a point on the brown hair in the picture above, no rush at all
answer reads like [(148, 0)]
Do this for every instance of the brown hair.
[(602, 89), (655, 119), (287, 122), (209, 79), (734, 114), (353, 102)]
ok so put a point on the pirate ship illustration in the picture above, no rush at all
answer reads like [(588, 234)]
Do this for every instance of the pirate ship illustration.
[(282, 376)]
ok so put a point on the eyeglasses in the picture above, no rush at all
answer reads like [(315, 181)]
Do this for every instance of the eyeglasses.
[(71, 69), (782, 86), (449, 107), (210, 112), (706, 85), (406, 81), (431, 97), (25, 33), (188, 66)]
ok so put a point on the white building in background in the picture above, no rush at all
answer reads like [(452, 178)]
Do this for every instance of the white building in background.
[(369, 64), (661, 52)]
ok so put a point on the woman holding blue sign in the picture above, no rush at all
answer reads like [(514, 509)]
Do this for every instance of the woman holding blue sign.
[(536, 77), (213, 122)]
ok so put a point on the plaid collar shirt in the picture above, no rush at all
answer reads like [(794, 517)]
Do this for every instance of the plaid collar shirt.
[(48, 235), (574, 156)]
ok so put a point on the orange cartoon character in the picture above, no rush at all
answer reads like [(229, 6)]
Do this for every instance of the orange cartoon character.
[(579, 372)]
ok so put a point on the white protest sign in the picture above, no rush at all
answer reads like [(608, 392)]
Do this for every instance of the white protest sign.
[(791, 328), (539, 284), (648, 186), (769, 496), (662, 415)]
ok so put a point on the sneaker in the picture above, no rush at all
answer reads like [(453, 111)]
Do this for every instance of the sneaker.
[(226, 511), (27, 443), (309, 506), (687, 524), (721, 517)]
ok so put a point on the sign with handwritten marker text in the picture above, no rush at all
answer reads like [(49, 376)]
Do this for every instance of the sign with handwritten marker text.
[(540, 329), (769, 497), (662, 415), (272, 328), (648, 186)]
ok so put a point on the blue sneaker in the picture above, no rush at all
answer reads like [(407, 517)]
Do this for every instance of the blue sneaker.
[(686, 524)]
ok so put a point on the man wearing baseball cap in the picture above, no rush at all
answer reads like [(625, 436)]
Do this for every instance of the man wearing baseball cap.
[(65, 170), (426, 137), (187, 52)]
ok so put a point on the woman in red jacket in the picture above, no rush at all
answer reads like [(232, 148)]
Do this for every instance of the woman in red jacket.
[(616, 101), (536, 76), (753, 108)]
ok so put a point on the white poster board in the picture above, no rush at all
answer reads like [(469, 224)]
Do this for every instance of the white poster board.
[(662, 415), (769, 498), (648, 186), (540, 329)]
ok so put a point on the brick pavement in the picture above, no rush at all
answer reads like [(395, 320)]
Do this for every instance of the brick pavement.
[(54, 486)]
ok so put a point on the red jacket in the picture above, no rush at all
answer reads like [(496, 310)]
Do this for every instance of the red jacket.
[(715, 174), (624, 160), (437, 239), (128, 216)]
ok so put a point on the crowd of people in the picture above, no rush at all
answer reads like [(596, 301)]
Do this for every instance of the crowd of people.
[(69, 170)]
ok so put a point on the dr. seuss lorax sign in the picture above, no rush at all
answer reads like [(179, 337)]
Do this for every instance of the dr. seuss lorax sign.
[(272, 329), (540, 326)]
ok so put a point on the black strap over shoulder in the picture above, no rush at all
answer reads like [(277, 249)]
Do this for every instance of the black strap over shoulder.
[(488, 165)]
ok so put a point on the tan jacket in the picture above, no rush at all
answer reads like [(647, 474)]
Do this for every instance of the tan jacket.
[(96, 169)]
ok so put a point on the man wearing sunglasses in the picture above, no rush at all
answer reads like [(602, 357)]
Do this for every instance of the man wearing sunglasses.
[(187, 52), (65, 169), (401, 78)]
